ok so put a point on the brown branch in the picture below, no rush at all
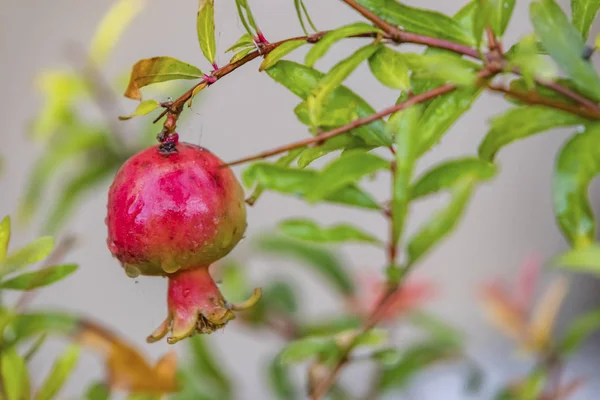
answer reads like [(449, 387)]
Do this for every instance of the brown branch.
[(565, 91), (420, 98)]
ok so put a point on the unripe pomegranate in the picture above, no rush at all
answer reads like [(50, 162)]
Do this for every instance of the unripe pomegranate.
[(173, 213)]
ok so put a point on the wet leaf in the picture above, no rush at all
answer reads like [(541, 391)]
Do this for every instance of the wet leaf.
[(583, 15), (280, 380), (245, 41), (62, 369), (145, 107), (302, 80), (320, 259), (4, 237), (347, 169), (299, 181), (39, 278), (578, 331), (309, 230), (111, 28), (319, 49), (565, 45), (577, 164), (585, 259), (158, 69), (390, 68), (281, 51), (303, 349), (520, 123), (418, 20), (321, 93), (15, 378), (205, 26), (27, 255)]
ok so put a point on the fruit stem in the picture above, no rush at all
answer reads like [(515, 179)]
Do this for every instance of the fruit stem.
[(248, 303)]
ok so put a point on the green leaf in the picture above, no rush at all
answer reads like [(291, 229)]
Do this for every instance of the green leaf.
[(466, 16), (63, 367), (330, 38), (40, 278), (4, 237), (303, 349), (111, 27), (15, 378), (441, 113), (348, 168), (300, 11), (245, 41), (577, 164), (302, 80), (403, 125), (234, 284), (240, 54), (97, 391), (145, 107), (27, 255), (565, 45), (321, 94), (280, 296), (493, 13), (390, 68), (205, 364), (243, 7), (412, 361), (280, 51), (305, 229), (280, 380), (31, 324), (481, 19), (578, 331), (443, 67), (205, 26), (300, 181), (450, 174), (318, 258), (418, 20), (520, 123), (525, 56), (283, 161), (583, 14), (585, 259), (438, 329), (340, 142), (158, 69)]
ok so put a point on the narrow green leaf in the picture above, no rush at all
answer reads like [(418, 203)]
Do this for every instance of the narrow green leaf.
[(240, 54), (280, 380), (466, 16), (583, 14), (340, 142), (418, 20), (245, 41), (4, 237), (281, 297), (26, 325), (283, 161), (331, 325), (281, 51), (578, 331), (245, 16), (303, 349), (481, 19), (63, 367), (525, 56), (305, 229), (449, 174), (520, 123), (205, 26), (206, 366), (40, 278), (348, 168), (493, 13), (319, 49), (585, 259), (318, 258), (390, 68), (403, 125), (565, 45), (27, 255), (111, 27), (145, 107), (317, 99), (158, 69), (443, 67), (244, 5), (97, 391), (577, 164), (441, 113), (302, 80), (299, 181), (15, 378), (438, 329)]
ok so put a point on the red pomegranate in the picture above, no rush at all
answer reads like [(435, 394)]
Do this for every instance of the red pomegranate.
[(174, 213)]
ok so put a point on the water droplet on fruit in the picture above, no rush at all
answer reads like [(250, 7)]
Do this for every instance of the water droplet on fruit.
[(170, 268), (132, 271)]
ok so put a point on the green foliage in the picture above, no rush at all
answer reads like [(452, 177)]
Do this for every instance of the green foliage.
[(390, 68), (61, 370), (205, 25), (583, 14), (305, 229), (280, 52), (15, 377), (280, 380)]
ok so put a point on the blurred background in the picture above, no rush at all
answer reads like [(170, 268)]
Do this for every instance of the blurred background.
[(508, 220)]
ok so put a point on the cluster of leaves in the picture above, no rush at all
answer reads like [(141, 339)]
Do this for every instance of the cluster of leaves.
[(555, 54)]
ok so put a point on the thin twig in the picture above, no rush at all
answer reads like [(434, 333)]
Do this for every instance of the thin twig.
[(420, 98)]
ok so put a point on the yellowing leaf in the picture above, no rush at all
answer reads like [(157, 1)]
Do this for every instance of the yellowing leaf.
[(205, 25), (145, 107), (158, 69), (501, 314), (112, 26), (15, 378), (545, 314)]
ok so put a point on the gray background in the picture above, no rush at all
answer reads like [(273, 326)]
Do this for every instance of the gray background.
[(246, 112)]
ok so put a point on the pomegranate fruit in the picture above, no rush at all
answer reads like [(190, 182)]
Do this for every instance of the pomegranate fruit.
[(173, 213)]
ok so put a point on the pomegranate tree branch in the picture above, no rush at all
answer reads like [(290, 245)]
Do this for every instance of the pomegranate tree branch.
[(420, 98)]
